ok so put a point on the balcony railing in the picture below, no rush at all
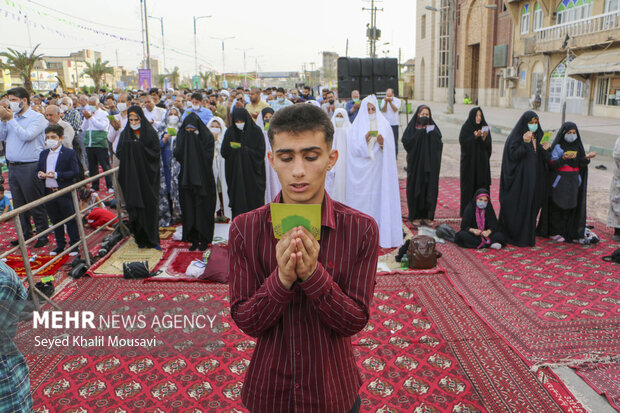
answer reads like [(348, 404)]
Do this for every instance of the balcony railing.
[(591, 25)]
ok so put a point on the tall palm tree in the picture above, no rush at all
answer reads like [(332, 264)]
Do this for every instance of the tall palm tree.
[(174, 77), (97, 70), (22, 63), (206, 78)]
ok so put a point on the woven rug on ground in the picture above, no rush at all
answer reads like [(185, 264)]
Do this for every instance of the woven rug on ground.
[(554, 303), (111, 265), (449, 198), (406, 359), (17, 263), (604, 378)]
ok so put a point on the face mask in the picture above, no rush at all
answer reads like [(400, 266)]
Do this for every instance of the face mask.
[(331, 101), (197, 132), (570, 138), (372, 116), (280, 100), (15, 106), (532, 127), (215, 131), (134, 127), (339, 122), (51, 143), (481, 204), (240, 126), (122, 106), (64, 108), (116, 96), (196, 107), (173, 120), (423, 120), (92, 108)]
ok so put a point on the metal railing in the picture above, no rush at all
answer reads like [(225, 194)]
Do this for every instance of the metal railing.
[(77, 215), (590, 25)]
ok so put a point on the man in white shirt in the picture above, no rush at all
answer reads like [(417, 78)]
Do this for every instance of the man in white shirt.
[(331, 104), (390, 107), (95, 127), (52, 114), (118, 124), (155, 115)]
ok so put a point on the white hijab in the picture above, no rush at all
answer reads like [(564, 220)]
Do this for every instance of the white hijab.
[(335, 182), (272, 183), (219, 172), (372, 177)]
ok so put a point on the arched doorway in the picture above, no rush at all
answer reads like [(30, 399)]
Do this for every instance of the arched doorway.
[(576, 91)]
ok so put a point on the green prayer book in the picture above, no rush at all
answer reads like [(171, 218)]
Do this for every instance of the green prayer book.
[(285, 217)]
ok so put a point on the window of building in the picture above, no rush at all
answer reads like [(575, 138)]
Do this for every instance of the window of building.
[(525, 19), (601, 95), (423, 27), (612, 5), (444, 36), (571, 10), (608, 92), (538, 17)]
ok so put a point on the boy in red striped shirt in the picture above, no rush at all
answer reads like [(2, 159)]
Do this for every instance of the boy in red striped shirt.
[(301, 298)]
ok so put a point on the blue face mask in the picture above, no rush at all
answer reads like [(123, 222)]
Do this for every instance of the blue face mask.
[(481, 204), (532, 127)]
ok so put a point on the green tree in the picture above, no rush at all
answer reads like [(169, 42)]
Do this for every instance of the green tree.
[(175, 76), (206, 78), (21, 63), (161, 80), (97, 70)]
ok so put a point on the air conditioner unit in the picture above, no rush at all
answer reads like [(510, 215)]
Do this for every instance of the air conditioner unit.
[(511, 72), (502, 73)]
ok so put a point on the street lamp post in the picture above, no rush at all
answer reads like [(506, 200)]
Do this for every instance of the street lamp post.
[(195, 46), (163, 45), (223, 39), (245, 82), (146, 31)]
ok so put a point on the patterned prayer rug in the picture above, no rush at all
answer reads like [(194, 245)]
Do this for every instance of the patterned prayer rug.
[(554, 303), (17, 263), (604, 378), (111, 265), (423, 350)]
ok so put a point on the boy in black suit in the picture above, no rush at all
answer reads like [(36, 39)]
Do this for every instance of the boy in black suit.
[(58, 168)]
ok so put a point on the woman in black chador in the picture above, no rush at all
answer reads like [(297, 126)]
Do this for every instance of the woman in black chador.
[(479, 224), (563, 216), (194, 151), (523, 181), (243, 149), (138, 152), (422, 141), (475, 140)]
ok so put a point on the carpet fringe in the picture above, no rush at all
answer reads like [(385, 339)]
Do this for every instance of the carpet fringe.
[(576, 362)]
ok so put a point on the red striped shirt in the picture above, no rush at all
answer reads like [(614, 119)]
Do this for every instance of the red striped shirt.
[(303, 361)]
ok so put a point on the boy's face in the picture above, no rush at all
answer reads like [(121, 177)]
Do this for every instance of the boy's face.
[(301, 162)]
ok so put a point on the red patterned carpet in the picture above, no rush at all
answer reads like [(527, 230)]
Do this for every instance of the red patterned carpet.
[(605, 379), (423, 349)]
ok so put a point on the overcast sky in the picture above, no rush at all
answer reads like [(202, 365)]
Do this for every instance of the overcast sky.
[(284, 33)]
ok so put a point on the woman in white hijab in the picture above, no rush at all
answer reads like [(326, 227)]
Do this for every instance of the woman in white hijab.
[(372, 178), (273, 186), (337, 187), (217, 126)]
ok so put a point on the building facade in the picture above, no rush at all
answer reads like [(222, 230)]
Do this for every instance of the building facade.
[(567, 48)]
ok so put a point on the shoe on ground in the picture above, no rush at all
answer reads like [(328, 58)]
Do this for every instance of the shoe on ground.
[(57, 250), (616, 237), (496, 246), (202, 246), (15, 242), (558, 238), (110, 190), (194, 246), (41, 242), (73, 253)]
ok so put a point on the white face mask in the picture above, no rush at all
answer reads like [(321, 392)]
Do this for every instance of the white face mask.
[(196, 107), (92, 108), (122, 106), (240, 126), (173, 120), (215, 131), (339, 122), (51, 143), (372, 116), (15, 106), (134, 127), (64, 108), (570, 138), (197, 132), (481, 204)]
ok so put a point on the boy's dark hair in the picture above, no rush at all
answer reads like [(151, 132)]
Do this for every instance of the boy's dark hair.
[(281, 89), (1, 188), (197, 96), (20, 92), (296, 119), (153, 90), (57, 129)]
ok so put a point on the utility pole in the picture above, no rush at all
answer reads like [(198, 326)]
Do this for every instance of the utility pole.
[(372, 32), (116, 51), (146, 30), (163, 45), (223, 39), (142, 33), (195, 47), (565, 83), (245, 81)]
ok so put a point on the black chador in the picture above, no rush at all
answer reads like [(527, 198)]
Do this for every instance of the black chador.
[(475, 156), (422, 141), (523, 182), (564, 212), (194, 151), (138, 152), (244, 152)]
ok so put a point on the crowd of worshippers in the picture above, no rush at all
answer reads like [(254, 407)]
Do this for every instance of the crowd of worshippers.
[(198, 157)]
